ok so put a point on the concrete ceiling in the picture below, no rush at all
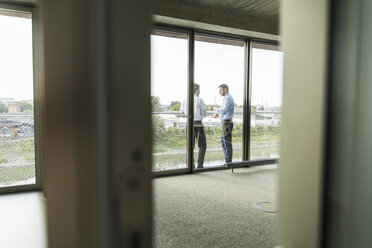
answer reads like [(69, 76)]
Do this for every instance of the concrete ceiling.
[(263, 8), (255, 15)]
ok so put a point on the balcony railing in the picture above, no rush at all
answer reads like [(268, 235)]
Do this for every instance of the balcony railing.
[(169, 138)]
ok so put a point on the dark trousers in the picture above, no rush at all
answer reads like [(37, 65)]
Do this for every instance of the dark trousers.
[(226, 140), (199, 136)]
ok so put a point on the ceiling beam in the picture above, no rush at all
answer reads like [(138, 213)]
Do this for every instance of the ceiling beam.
[(216, 16)]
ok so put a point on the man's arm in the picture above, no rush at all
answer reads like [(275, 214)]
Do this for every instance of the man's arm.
[(203, 108), (230, 108), (183, 108), (227, 105)]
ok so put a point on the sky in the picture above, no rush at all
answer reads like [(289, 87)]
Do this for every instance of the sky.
[(214, 64), (16, 75), (267, 77)]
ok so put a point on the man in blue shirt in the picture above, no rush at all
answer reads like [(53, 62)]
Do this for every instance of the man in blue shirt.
[(226, 114)]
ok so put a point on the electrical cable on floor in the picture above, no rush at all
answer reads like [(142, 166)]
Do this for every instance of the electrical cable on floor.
[(264, 209)]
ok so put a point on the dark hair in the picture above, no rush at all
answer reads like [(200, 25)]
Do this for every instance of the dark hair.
[(196, 87), (224, 86)]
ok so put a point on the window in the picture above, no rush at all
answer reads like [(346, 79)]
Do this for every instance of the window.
[(180, 60), (169, 80), (220, 61), (266, 103), (17, 125)]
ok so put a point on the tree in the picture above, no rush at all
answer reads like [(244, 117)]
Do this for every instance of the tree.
[(253, 109), (3, 108), (175, 106), (158, 125), (155, 103), (26, 107)]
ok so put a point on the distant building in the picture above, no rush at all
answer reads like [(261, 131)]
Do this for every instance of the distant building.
[(6, 100), (265, 119), (14, 107), (28, 101)]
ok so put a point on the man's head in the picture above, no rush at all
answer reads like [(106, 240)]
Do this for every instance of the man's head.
[(223, 89), (196, 89)]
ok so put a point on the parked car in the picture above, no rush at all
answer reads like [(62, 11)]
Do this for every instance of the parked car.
[(4, 132), (26, 132)]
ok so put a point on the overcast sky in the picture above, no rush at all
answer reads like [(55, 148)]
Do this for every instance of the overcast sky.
[(16, 76), (214, 64)]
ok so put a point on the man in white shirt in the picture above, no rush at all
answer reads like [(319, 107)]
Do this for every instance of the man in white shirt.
[(200, 111)]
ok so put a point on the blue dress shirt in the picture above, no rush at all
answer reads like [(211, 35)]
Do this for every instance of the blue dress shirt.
[(226, 111)]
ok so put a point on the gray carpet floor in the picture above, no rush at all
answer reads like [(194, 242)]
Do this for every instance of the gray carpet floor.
[(216, 208)]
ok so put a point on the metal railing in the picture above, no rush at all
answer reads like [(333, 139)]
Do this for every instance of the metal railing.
[(169, 139)]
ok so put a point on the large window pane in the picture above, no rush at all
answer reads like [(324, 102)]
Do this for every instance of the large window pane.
[(267, 70), (169, 80), (220, 61), (17, 149)]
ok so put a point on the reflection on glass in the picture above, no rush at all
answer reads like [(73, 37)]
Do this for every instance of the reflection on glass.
[(220, 61), (266, 103), (17, 149), (169, 79)]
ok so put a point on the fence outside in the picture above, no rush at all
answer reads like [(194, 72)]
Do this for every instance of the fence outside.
[(17, 149), (169, 139)]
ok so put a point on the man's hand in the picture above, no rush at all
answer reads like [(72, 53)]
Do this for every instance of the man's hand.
[(211, 108)]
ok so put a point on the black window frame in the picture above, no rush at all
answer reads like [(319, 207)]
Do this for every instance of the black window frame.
[(248, 46)]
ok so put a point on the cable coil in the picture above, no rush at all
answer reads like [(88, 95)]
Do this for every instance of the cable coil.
[(264, 209)]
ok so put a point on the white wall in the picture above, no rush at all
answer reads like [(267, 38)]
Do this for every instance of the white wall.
[(304, 41)]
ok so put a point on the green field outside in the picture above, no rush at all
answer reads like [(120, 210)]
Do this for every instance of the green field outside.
[(17, 159), (169, 147)]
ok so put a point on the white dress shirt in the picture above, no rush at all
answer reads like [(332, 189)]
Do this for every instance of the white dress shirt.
[(199, 108)]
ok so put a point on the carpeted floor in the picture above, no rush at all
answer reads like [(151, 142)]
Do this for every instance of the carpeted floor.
[(216, 209)]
